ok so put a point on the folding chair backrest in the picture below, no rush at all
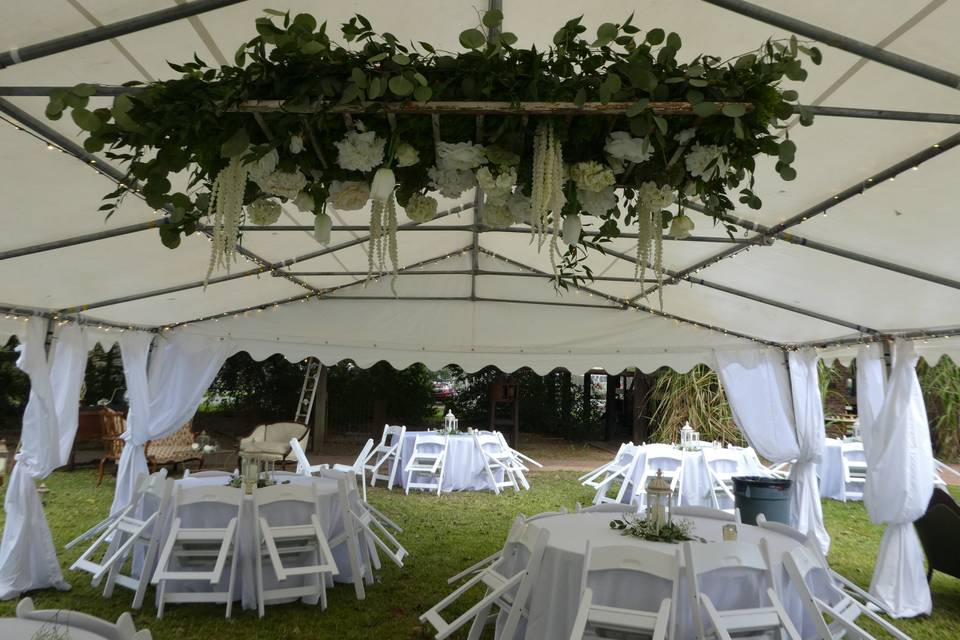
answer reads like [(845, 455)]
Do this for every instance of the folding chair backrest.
[(852, 449), (428, 443), (712, 557), (665, 460), (214, 505), (808, 577), (488, 442), (664, 567), (392, 435), (303, 463), (279, 498), (364, 455), (723, 461), (153, 494)]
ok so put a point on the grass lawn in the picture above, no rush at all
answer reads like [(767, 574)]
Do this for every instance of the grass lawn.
[(443, 535)]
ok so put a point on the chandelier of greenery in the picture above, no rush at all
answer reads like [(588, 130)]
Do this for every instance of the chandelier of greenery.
[(608, 132)]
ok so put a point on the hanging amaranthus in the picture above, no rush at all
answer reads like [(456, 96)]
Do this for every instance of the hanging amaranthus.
[(649, 206), (383, 227), (226, 206), (546, 194)]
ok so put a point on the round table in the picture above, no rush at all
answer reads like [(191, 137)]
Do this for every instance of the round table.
[(207, 515), (556, 596), (21, 629), (463, 470)]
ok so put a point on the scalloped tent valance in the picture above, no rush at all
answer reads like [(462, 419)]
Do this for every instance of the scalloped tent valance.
[(862, 243)]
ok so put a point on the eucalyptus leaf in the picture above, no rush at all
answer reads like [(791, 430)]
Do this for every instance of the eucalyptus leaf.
[(401, 58), (86, 120), (655, 36), (422, 94), (400, 86), (674, 41), (472, 39), (492, 18), (84, 90), (705, 109), (734, 110)]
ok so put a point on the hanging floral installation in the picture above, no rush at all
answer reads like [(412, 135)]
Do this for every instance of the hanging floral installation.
[(610, 134)]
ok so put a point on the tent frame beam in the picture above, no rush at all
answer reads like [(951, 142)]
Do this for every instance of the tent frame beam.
[(842, 42), (112, 30), (916, 334), (459, 272), (859, 188)]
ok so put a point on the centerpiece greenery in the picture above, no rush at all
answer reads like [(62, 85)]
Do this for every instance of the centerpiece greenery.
[(673, 531), (606, 132)]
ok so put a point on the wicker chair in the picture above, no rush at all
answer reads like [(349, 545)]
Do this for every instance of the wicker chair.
[(173, 449), (272, 441), (112, 425)]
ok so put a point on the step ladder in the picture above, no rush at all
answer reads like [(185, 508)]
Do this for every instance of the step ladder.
[(308, 392)]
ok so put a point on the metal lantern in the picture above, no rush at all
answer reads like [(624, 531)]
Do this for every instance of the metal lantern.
[(659, 501), (249, 471), (450, 422), (688, 437), (857, 433)]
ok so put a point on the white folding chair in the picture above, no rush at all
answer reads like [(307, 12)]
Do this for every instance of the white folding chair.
[(359, 466), (722, 466), (496, 458), (695, 511), (519, 467), (304, 544), (135, 528), (510, 594), (200, 553), (617, 468), (518, 523), (622, 471), (939, 468), (843, 610), (766, 616), (780, 470), (428, 458), (589, 479), (304, 467), (813, 548), (350, 536), (854, 470), (124, 629), (666, 460), (651, 612), (386, 455)]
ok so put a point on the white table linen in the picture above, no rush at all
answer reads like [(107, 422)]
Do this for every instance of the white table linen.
[(214, 515), (463, 469), (556, 596), (22, 629), (831, 470), (695, 482)]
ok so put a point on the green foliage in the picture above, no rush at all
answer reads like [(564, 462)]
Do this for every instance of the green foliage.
[(14, 386), (697, 397), (941, 392), (188, 123)]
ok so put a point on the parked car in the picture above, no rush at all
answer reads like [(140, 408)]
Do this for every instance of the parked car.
[(442, 390)]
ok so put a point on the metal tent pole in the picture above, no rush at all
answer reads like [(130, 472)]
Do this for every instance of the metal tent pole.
[(113, 30), (839, 41)]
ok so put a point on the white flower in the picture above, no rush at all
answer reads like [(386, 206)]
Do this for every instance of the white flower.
[(450, 182), (406, 155), (296, 144), (681, 226), (623, 146), (496, 216), (209, 448), (654, 198), (349, 196), (360, 151), (282, 183), (592, 176), (497, 189), (421, 208), (519, 207), (304, 202), (685, 136), (195, 446), (383, 184), (597, 203), (263, 212), (265, 165), (571, 228), (700, 156), (322, 225), (460, 155)]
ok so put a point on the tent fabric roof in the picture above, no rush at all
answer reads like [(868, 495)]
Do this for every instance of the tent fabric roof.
[(781, 293)]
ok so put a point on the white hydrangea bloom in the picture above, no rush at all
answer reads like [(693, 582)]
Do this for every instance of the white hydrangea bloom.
[(685, 136), (304, 202), (406, 155), (700, 156), (496, 215), (421, 208), (450, 182), (681, 226), (497, 189), (349, 196), (597, 203), (654, 198), (622, 146), (519, 207), (283, 183), (296, 144), (592, 176), (264, 166), (263, 211), (461, 156), (360, 151)]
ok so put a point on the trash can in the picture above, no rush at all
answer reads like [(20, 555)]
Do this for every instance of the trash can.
[(759, 494)]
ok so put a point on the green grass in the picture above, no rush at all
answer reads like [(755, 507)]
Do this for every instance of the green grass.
[(443, 535)]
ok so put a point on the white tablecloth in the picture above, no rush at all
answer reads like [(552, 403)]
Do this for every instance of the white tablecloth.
[(207, 515), (695, 479), (20, 629), (831, 470), (556, 596), (463, 470)]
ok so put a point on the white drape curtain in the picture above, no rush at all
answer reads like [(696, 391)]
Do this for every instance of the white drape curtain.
[(28, 558), (900, 473), (806, 513), (163, 396), (781, 425)]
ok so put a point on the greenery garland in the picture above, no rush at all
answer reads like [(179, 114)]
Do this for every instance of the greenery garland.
[(623, 171)]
